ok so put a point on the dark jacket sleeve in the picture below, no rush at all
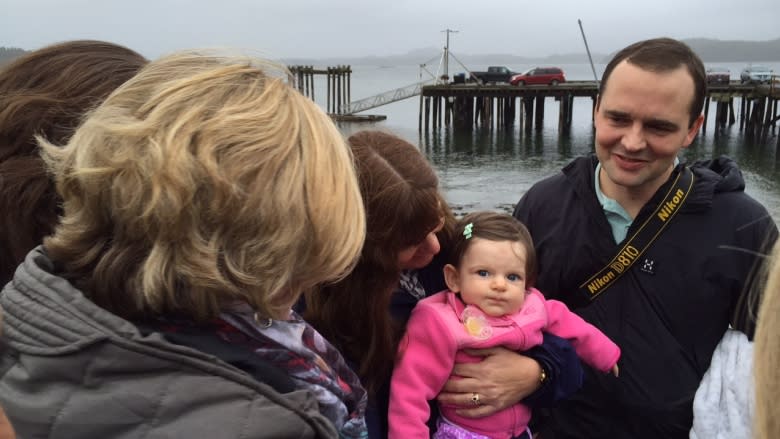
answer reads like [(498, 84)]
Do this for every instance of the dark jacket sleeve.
[(556, 355), (564, 371)]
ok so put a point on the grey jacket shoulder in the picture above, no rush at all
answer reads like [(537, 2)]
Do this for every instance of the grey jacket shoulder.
[(72, 370)]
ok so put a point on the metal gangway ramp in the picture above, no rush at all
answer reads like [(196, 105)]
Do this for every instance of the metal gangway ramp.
[(409, 90), (387, 97)]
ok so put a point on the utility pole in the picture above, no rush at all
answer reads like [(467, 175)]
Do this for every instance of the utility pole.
[(588, 51), (447, 53)]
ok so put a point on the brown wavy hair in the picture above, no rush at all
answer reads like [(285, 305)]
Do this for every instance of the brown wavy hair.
[(403, 204), (493, 226), (46, 93), (663, 55)]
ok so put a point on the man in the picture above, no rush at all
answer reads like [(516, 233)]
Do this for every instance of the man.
[(653, 252)]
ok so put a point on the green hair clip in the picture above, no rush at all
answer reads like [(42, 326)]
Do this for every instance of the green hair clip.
[(467, 230)]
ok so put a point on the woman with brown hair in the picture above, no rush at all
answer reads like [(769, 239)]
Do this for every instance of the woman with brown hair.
[(46, 92), (364, 314), (405, 216), (200, 199)]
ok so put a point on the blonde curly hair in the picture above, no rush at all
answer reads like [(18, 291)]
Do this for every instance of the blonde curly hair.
[(205, 179)]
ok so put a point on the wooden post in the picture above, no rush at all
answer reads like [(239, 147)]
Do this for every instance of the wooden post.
[(329, 89), (437, 116), (311, 81), (706, 114), (571, 110), (420, 113), (529, 112), (502, 108), (441, 110), (540, 111), (563, 109), (768, 111), (489, 112), (448, 111), (339, 90), (343, 79), (427, 112), (509, 120), (520, 112), (732, 119)]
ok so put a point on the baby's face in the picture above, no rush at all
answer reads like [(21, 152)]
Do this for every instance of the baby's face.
[(492, 276)]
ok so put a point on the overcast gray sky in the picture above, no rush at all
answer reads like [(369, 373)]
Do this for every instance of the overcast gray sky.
[(333, 28)]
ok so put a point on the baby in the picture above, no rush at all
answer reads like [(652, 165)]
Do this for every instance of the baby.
[(490, 302)]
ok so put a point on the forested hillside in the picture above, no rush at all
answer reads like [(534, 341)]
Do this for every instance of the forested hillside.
[(9, 53)]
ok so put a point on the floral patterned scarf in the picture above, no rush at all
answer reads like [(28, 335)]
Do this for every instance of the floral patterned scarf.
[(310, 360)]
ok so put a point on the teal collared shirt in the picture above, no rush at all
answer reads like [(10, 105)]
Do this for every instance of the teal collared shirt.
[(617, 217)]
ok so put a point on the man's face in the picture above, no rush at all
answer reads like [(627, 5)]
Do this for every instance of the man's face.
[(641, 124)]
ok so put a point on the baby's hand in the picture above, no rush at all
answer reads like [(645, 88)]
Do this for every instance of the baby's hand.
[(615, 370)]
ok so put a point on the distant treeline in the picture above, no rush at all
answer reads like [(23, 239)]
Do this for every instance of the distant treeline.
[(708, 49), (9, 53), (736, 51), (711, 51)]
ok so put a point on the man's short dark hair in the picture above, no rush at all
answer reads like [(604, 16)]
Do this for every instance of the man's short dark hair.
[(663, 55)]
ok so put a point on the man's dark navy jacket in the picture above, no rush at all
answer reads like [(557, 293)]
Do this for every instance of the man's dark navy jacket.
[(667, 312)]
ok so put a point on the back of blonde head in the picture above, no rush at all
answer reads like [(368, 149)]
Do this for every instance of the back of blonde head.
[(767, 354), (205, 179)]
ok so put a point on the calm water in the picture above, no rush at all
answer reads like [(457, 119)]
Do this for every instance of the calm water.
[(491, 169)]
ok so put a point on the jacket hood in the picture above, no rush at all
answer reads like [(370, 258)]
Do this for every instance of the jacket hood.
[(711, 176), (722, 173), (45, 314)]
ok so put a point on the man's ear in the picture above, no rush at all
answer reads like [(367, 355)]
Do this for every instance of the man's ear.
[(452, 278), (693, 130), (596, 107)]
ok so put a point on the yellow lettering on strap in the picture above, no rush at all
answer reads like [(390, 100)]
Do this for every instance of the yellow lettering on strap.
[(644, 236)]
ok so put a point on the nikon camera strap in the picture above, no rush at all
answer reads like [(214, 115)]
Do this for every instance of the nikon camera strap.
[(643, 238)]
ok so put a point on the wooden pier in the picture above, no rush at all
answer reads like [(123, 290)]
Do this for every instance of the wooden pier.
[(338, 89), (466, 105), (339, 84)]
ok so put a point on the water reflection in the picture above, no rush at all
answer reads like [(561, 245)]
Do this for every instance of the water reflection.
[(488, 168)]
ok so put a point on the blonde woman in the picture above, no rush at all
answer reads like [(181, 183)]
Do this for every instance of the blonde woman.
[(200, 200), (767, 355)]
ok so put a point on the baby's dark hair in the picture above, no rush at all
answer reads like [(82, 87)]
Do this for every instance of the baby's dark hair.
[(493, 226)]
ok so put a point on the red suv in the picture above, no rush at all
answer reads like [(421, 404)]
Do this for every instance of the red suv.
[(539, 75)]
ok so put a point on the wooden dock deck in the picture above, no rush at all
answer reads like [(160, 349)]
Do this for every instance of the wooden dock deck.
[(465, 105)]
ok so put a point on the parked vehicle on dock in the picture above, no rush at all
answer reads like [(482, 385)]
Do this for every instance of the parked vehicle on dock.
[(539, 75), (494, 74), (755, 74), (718, 75)]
